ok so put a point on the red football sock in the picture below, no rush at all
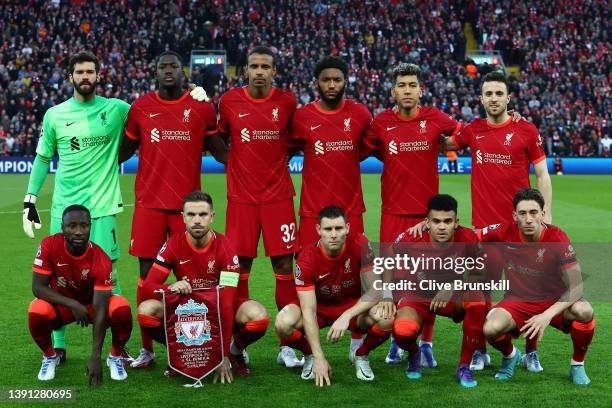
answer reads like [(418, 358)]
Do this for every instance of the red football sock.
[(531, 344), (405, 333), (427, 329), (482, 344), (153, 327), (375, 337), (120, 318), (251, 332), (147, 341), (582, 334), (297, 341), (472, 329), (503, 343), (40, 316), (285, 291)]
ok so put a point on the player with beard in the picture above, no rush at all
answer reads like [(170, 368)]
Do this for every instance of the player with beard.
[(330, 131), (85, 132), (170, 128)]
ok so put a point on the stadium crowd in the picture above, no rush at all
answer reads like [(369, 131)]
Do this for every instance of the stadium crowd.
[(562, 49)]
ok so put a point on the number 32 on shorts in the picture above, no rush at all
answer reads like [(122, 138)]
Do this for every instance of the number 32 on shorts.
[(288, 231)]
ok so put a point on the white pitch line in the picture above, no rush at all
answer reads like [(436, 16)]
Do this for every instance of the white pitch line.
[(46, 210)]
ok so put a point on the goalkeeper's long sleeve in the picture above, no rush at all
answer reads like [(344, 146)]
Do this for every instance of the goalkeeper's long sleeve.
[(39, 174)]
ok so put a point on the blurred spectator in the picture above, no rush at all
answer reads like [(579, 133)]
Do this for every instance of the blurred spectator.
[(605, 144), (558, 165)]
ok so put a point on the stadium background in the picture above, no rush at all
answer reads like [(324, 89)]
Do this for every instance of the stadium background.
[(558, 56)]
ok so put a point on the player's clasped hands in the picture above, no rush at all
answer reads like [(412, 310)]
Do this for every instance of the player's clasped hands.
[(224, 373), (181, 287), (534, 326), (322, 372)]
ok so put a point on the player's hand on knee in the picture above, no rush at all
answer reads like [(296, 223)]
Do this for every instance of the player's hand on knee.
[(224, 372), (385, 309), (94, 371), (440, 301), (181, 287), (198, 93), (81, 317), (30, 215), (534, 326), (322, 372)]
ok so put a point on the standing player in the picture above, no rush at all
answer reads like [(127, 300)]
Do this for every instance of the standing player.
[(502, 152), (330, 132), (445, 238), (171, 129), (202, 258), (72, 282), (545, 287), (85, 132), (259, 189), (408, 139), (328, 275)]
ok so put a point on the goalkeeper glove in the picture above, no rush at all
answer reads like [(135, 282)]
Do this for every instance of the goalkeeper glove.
[(199, 94), (30, 215)]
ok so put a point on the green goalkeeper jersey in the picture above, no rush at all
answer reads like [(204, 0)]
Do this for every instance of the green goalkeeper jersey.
[(86, 137)]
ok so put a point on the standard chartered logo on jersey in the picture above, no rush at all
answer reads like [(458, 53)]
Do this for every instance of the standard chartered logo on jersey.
[(180, 135), (247, 135), (338, 145), (493, 158), (85, 142), (408, 146)]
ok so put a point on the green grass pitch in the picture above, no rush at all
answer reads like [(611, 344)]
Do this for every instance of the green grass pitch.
[(582, 207)]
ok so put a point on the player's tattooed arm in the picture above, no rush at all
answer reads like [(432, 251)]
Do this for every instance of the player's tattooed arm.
[(217, 147), (127, 148), (100, 312)]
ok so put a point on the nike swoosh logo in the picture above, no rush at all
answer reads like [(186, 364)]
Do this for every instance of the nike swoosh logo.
[(184, 262), (71, 123), (322, 276), (315, 127), (479, 137), (152, 115), (61, 264), (241, 115), (391, 128), (289, 246)]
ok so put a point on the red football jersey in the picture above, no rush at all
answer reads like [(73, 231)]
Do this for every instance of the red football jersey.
[(337, 280), (501, 156), (332, 142), (71, 276), (409, 148), (534, 269), (257, 170), (202, 267), (171, 136), (463, 244)]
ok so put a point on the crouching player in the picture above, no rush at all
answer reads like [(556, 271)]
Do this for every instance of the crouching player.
[(444, 240), (545, 287), (202, 258), (328, 278), (72, 282)]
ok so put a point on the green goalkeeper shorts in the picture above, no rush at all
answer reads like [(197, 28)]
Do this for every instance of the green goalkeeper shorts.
[(103, 233)]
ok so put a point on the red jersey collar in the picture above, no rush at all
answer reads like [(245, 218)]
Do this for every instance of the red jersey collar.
[(501, 125), (413, 117), (202, 250), (331, 258), (251, 99), (167, 102), (77, 258), (315, 104)]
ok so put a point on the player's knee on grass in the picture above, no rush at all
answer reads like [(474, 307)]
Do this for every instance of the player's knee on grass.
[(581, 311), (151, 307), (287, 320)]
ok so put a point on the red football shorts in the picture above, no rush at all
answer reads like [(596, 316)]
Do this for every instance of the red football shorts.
[(150, 229), (522, 311), (308, 230), (422, 309), (328, 314), (245, 222), (391, 225)]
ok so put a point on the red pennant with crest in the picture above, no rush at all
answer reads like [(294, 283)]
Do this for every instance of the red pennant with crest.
[(193, 332)]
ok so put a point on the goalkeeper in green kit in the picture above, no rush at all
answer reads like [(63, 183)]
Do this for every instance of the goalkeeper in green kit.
[(86, 132)]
